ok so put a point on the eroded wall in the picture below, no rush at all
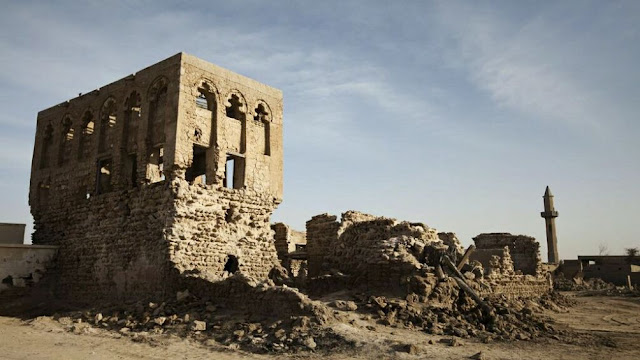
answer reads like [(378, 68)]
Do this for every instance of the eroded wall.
[(381, 253), (524, 250)]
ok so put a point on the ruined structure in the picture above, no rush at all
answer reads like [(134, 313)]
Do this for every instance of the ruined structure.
[(523, 250), (291, 247), (550, 214), (168, 173), (384, 255)]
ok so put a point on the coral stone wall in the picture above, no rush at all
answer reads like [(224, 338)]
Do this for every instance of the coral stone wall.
[(524, 250), (377, 252), (211, 226), (131, 181)]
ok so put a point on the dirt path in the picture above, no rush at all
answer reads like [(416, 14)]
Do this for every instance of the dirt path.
[(611, 321)]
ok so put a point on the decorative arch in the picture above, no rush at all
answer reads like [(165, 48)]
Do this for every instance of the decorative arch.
[(87, 127), (108, 122), (235, 106), (262, 115), (206, 95), (66, 137), (262, 111)]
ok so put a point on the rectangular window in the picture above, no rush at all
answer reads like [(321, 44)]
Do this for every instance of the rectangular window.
[(234, 172)]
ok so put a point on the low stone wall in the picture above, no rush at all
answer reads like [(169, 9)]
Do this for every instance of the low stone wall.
[(520, 286), (23, 265)]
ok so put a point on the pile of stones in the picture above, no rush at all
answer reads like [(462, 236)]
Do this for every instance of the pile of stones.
[(209, 323)]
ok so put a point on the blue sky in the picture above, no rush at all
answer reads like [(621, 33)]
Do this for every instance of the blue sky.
[(456, 114)]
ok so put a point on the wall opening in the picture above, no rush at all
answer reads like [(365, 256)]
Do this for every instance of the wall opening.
[(157, 112), (228, 215), (131, 170), (231, 265), (196, 173), (263, 116), (155, 165), (234, 172), (47, 141), (234, 109), (131, 122), (104, 176), (43, 193), (86, 137), (201, 100), (107, 125), (65, 141)]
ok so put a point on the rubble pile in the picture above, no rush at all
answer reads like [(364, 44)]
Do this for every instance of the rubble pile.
[(207, 322), (578, 284), (510, 320)]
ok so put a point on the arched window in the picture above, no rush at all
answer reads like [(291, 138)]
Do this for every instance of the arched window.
[(86, 137), (157, 112), (155, 130), (47, 141), (107, 125), (129, 159), (263, 116), (235, 108), (66, 136), (131, 122)]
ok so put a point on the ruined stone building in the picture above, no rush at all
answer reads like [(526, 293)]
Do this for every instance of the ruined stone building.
[(171, 171)]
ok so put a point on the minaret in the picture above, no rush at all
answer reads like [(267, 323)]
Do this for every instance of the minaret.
[(550, 214)]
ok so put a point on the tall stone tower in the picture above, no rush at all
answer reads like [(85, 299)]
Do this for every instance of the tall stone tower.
[(550, 214)]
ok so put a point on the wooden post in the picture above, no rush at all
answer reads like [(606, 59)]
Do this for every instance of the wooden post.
[(465, 258)]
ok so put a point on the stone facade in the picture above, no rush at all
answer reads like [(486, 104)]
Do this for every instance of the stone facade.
[(524, 250), (168, 173)]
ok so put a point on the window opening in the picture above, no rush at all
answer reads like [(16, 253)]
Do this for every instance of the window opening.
[(196, 173), (155, 168), (46, 146), (104, 176), (86, 136), (231, 265), (201, 100), (234, 110), (65, 141), (234, 172), (131, 170), (107, 125)]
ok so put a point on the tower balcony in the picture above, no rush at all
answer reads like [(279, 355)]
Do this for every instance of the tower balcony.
[(549, 214)]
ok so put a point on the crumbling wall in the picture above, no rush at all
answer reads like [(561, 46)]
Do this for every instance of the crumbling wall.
[(211, 227), (377, 252), (524, 250), (322, 233)]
